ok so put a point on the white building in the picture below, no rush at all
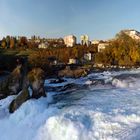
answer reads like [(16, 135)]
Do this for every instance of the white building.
[(43, 45), (85, 40), (37, 41), (133, 34), (70, 40), (73, 61), (102, 46), (88, 56), (95, 42)]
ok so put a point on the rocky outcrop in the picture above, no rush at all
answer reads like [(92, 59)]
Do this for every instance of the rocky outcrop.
[(12, 83), (76, 73), (19, 100), (15, 84), (35, 80)]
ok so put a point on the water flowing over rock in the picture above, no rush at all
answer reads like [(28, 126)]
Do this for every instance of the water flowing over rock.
[(107, 108)]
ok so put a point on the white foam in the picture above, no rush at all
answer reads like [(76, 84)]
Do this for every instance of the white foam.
[(119, 83), (102, 114), (25, 121), (87, 125), (70, 126), (89, 82), (4, 103)]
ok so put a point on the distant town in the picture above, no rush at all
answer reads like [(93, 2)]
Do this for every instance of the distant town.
[(121, 51), (67, 41)]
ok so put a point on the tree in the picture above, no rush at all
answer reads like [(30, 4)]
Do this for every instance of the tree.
[(3, 43), (12, 42), (8, 41)]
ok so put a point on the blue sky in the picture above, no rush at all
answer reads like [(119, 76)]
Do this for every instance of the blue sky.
[(100, 19)]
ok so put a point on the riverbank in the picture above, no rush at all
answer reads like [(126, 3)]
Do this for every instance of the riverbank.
[(8, 61)]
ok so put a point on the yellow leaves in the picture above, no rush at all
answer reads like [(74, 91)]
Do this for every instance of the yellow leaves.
[(124, 50), (3, 44)]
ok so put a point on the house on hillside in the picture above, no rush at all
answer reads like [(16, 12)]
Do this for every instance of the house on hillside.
[(73, 61), (70, 40), (102, 46), (132, 33), (43, 45), (85, 40), (55, 42), (53, 60), (95, 42), (88, 56)]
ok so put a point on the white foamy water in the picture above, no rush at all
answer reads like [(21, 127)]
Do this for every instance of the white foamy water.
[(108, 108)]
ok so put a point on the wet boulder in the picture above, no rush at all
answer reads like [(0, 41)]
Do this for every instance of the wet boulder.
[(73, 73), (36, 79), (12, 83), (15, 83), (19, 100)]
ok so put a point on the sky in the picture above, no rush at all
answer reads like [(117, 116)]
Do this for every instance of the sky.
[(100, 19)]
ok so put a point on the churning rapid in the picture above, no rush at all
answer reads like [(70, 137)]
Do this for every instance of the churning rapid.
[(101, 106)]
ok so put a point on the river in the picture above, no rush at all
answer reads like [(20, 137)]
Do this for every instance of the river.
[(102, 106)]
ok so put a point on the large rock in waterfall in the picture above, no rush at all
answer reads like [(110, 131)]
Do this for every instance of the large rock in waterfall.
[(19, 100), (36, 79), (18, 83), (12, 83), (73, 73)]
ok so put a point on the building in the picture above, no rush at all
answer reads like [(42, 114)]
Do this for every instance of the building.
[(73, 61), (88, 56), (102, 46), (52, 60), (85, 40), (70, 40), (35, 39), (132, 33), (95, 42), (43, 45), (55, 42)]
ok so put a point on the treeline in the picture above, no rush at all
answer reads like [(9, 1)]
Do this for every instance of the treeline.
[(122, 51), (14, 42), (13, 48), (44, 57)]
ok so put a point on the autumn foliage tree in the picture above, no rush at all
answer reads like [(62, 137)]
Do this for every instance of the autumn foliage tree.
[(122, 51), (12, 42), (40, 57), (3, 43)]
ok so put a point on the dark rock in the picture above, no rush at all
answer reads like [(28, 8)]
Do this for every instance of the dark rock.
[(20, 99), (59, 80), (76, 73), (36, 82), (11, 84)]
